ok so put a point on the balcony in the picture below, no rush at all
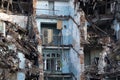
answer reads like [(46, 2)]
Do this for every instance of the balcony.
[(49, 12)]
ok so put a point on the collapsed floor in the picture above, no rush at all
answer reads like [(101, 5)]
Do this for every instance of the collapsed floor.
[(101, 49), (14, 42), (20, 41), (19, 54)]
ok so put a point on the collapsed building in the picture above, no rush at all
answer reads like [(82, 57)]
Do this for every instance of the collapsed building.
[(21, 48), (101, 48), (20, 51), (38, 40), (59, 40)]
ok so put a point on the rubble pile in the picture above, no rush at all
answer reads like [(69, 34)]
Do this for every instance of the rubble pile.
[(17, 40), (102, 38)]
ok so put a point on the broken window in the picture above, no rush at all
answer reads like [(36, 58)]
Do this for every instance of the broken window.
[(52, 61), (50, 34), (92, 56)]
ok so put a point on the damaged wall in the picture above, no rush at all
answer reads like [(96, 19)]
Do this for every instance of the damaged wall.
[(16, 6), (66, 30), (102, 33), (75, 65), (74, 23), (15, 19), (69, 31), (20, 55), (15, 39)]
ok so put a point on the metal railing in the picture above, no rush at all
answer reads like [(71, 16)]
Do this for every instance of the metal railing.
[(52, 40), (47, 11)]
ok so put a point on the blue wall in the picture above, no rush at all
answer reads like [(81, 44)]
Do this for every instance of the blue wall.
[(71, 34), (60, 8), (65, 61), (66, 31)]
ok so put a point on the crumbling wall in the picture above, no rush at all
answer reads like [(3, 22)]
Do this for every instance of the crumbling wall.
[(16, 6), (15, 19), (101, 32), (79, 23), (19, 49)]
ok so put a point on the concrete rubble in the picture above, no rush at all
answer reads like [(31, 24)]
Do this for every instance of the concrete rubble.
[(102, 34), (19, 43), (97, 52)]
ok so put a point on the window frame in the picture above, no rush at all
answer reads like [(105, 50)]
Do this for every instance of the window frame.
[(57, 63)]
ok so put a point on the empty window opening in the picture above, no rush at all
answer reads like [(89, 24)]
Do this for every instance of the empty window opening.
[(50, 34), (92, 56)]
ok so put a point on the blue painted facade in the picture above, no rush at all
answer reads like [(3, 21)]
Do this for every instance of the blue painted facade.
[(60, 8), (66, 32), (70, 33)]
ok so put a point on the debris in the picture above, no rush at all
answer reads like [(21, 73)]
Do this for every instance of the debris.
[(16, 38), (100, 35)]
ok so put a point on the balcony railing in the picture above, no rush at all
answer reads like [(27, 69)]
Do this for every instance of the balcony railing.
[(52, 40), (47, 11)]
